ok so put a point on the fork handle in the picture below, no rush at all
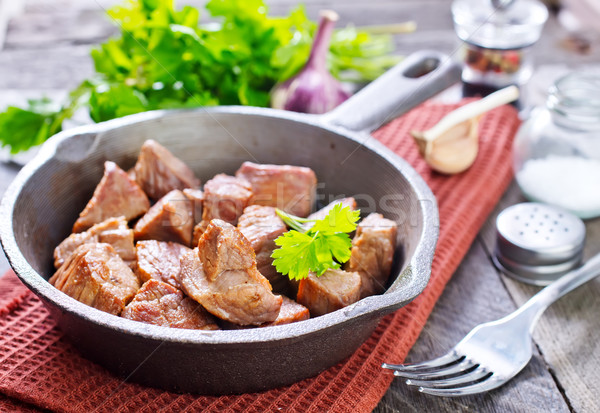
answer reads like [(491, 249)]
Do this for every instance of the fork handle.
[(536, 305)]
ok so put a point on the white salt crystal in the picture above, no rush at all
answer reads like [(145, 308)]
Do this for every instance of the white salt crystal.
[(569, 182)]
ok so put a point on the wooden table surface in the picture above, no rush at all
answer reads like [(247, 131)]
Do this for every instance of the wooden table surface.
[(46, 48)]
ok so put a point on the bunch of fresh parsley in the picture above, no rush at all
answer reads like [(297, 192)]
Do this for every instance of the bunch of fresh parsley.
[(164, 59), (314, 245)]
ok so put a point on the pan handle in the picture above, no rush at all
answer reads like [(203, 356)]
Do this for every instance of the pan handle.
[(412, 81)]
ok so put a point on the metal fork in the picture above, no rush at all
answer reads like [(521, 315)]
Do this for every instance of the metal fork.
[(492, 353)]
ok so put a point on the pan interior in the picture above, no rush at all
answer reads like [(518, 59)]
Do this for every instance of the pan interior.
[(211, 143)]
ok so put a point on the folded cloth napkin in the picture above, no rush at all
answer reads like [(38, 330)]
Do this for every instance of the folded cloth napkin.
[(40, 369)]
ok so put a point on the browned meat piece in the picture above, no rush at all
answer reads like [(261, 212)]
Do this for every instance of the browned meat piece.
[(197, 198), (331, 291), (113, 231), (221, 275), (373, 249), (223, 248), (225, 198), (290, 188), (116, 195), (261, 226), (121, 240), (159, 260), (290, 312), (322, 213), (159, 172), (170, 219), (164, 305), (197, 232), (95, 275)]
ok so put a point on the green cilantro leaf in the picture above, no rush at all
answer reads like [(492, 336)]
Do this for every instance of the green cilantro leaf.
[(22, 129), (294, 255), (339, 219), (314, 245)]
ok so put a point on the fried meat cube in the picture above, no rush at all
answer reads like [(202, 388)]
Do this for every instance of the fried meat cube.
[(290, 312), (170, 219), (196, 196), (95, 275), (289, 188), (162, 304), (225, 198), (261, 226), (159, 172), (372, 253), (159, 260), (116, 195), (331, 291), (221, 275), (113, 231)]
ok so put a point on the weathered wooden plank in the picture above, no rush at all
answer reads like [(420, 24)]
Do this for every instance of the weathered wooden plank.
[(8, 9), (433, 18), (83, 26), (37, 30), (45, 5), (61, 67), (474, 295)]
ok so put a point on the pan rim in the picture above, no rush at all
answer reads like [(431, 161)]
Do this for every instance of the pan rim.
[(372, 307)]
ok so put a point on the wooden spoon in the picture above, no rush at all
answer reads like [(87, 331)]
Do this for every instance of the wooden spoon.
[(451, 146)]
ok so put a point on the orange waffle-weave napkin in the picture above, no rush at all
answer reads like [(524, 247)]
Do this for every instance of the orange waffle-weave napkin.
[(40, 369)]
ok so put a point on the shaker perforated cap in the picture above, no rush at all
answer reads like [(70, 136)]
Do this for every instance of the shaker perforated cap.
[(537, 243)]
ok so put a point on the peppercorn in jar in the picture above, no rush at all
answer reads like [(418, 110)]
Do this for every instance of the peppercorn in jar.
[(496, 40)]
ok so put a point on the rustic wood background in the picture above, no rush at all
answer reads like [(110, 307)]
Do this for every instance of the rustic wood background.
[(46, 50)]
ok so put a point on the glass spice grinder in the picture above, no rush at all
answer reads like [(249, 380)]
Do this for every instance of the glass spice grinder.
[(496, 42)]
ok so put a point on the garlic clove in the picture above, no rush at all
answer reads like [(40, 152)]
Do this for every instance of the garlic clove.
[(451, 146), (453, 152)]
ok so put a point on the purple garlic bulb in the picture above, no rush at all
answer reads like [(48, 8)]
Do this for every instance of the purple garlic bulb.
[(313, 89)]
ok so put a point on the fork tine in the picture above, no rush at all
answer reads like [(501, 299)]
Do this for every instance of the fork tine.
[(442, 361), (459, 381), (485, 385), (464, 366)]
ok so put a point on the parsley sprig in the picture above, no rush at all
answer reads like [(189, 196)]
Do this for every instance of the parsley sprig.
[(314, 245)]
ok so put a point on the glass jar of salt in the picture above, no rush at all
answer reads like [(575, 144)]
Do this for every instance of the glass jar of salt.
[(557, 150), (497, 36)]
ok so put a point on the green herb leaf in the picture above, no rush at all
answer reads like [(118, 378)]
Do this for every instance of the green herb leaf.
[(21, 129), (339, 220), (324, 245)]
